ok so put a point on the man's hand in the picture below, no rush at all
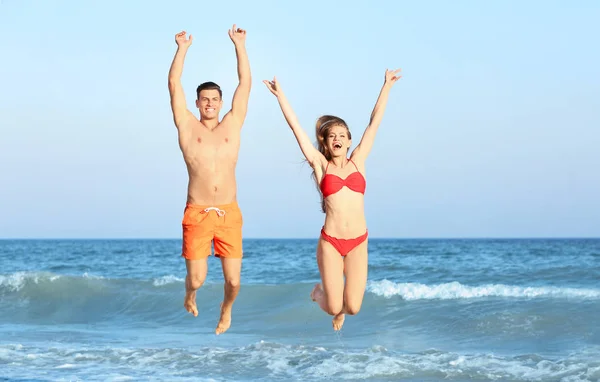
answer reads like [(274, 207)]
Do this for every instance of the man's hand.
[(273, 86), (391, 76), (237, 35), (182, 41)]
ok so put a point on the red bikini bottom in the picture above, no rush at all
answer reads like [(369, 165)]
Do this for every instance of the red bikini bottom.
[(343, 246)]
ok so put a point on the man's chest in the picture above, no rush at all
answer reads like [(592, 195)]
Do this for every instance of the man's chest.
[(213, 144)]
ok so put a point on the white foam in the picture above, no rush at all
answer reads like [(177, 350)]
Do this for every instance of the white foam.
[(297, 362), (92, 277), (16, 281), (121, 378), (165, 280), (66, 366), (456, 290)]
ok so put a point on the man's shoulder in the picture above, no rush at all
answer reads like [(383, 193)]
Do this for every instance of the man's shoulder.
[(189, 122), (230, 122)]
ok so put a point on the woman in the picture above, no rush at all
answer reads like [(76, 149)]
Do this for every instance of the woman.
[(342, 247)]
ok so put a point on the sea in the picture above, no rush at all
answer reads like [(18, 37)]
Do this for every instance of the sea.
[(434, 310)]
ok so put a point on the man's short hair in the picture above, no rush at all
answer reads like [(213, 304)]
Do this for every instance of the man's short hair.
[(208, 86)]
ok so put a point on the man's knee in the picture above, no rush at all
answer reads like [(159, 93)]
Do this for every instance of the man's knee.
[(232, 282), (194, 281)]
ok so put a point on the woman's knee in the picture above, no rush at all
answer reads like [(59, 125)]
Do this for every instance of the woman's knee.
[(352, 307), (334, 307)]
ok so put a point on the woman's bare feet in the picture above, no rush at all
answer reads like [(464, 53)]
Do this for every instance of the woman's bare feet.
[(224, 321), (338, 321), (317, 295), (317, 292)]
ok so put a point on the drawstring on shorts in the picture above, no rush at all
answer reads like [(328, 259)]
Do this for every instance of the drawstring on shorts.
[(219, 211)]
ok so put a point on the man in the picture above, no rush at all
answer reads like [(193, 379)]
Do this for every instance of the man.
[(210, 149)]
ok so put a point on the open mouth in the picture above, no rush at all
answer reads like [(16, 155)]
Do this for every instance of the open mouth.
[(337, 145), (210, 109)]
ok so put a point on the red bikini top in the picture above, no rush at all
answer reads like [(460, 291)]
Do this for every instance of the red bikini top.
[(332, 183)]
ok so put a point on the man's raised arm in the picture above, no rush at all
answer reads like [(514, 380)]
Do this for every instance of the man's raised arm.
[(178, 103), (239, 105)]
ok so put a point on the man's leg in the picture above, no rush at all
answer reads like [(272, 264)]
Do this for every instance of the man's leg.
[(196, 274), (232, 268), (228, 247), (197, 237)]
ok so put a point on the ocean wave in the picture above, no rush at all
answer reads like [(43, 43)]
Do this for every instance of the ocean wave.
[(15, 282), (456, 290), (28, 284), (271, 360)]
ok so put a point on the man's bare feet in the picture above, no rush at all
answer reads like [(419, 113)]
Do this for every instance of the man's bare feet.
[(189, 302), (338, 321), (224, 321), (317, 290)]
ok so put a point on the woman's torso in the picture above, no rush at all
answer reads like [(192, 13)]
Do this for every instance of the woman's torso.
[(343, 192)]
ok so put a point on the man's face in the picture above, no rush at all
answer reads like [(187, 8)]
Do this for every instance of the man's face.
[(209, 103)]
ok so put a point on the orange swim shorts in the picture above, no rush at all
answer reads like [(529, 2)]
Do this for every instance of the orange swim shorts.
[(203, 225)]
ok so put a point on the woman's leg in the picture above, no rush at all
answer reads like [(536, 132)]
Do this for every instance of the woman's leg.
[(356, 268), (329, 295), (356, 265)]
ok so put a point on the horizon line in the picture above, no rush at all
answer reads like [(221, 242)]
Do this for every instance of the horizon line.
[(316, 238)]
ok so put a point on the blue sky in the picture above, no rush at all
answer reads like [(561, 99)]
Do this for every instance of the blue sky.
[(494, 130)]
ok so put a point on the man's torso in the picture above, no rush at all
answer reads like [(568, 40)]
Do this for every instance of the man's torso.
[(211, 158)]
